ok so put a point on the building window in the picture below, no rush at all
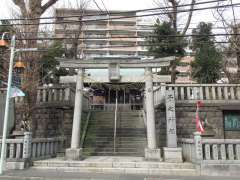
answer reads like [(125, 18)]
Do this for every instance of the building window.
[(232, 120)]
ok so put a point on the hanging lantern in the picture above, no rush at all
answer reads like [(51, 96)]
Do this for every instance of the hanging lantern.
[(3, 43), (19, 66)]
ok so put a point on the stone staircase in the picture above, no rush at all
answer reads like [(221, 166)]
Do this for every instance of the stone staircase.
[(130, 134), (116, 165), (129, 157)]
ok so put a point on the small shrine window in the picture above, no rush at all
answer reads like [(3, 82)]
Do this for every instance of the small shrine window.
[(232, 120)]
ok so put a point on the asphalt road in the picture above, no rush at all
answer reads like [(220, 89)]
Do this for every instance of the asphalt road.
[(56, 175)]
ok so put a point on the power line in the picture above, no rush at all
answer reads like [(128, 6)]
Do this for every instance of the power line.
[(127, 37), (118, 18), (114, 13), (146, 30)]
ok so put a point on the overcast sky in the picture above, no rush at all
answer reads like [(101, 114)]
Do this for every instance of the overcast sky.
[(6, 7)]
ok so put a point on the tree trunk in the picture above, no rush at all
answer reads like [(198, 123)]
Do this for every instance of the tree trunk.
[(31, 9)]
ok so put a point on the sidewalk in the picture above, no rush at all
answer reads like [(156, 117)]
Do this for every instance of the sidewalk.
[(32, 174)]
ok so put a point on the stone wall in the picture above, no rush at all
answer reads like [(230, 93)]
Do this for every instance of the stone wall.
[(49, 121), (185, 118)]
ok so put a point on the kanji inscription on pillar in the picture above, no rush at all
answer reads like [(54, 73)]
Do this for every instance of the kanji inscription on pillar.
[(171, 119)]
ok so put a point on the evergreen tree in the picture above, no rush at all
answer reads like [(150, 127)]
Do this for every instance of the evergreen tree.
[(166, 41), (50, 73), (202, 35), (208, 61)]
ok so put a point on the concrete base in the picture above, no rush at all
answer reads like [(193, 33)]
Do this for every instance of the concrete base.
[(153, 154), (172, 154), (18, 165), (74, 154)]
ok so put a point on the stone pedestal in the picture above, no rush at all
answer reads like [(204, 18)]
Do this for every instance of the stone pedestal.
[(172, 154), (153, 154), (74, 154)]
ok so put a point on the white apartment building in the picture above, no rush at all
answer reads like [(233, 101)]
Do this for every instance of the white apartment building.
[(105, 38)]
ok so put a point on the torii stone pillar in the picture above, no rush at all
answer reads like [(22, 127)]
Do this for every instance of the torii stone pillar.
[(151, 153), (75, 152)]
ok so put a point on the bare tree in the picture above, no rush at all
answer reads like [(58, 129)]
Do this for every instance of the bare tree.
[(74, 51), (171, 14), (31, 12), (231, 60)]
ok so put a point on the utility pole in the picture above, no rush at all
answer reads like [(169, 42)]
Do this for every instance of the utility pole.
[(8, 96), (6, 113)]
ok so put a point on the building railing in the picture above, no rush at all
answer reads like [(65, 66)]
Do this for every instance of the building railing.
[(200, 150), (19, 150), (206, 92)]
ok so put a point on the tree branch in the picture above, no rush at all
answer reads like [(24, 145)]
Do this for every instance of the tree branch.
[(21, 4), (48, 4), (173, 16), (189, 18)]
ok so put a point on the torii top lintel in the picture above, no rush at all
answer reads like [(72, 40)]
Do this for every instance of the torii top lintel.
[(122, 63)]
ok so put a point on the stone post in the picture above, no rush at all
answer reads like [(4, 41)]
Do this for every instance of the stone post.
[(151, 153), (27, 145), (27, 148), (198, 157), (75, 152), (171, 153)]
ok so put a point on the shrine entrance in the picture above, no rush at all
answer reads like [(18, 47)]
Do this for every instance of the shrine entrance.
[(152, 152)]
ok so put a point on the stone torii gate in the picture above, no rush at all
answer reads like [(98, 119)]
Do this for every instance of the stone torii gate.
[(152, 152)]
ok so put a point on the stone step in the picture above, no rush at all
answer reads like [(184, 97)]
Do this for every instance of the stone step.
[(135, 154), (124, 130), (112, 124), (104, 123), (118, 143), (131, 134), (118, 149), (130, 111), (109, 126), (73, 173), (137, 148), (119, 135), (112, 120), (132, 139), (122, 143), (106, 164)]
